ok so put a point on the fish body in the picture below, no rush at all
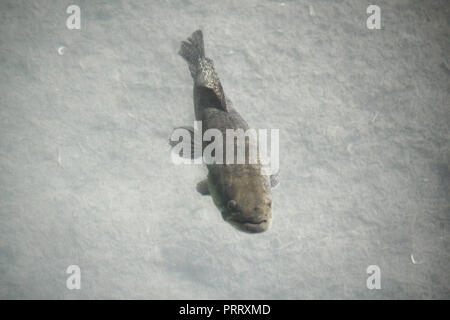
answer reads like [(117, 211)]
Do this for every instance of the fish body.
[(240, 191)]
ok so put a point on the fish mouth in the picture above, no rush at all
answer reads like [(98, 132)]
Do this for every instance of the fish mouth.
[(250, 226)]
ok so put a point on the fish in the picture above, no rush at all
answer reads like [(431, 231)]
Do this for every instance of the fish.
[(241, 192)]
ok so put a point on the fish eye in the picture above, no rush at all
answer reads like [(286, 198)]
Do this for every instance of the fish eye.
[(232, 204)]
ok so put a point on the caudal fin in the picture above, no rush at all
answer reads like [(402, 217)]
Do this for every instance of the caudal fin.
[(206, 82), (193, 50)]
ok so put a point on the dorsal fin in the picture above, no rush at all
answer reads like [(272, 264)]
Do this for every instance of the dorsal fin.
[(208, 98), (208, 83)]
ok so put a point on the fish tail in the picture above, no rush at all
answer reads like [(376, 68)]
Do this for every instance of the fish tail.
[(193, 51), (206, 81)]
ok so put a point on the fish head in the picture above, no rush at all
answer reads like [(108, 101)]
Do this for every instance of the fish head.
[(247, 206)]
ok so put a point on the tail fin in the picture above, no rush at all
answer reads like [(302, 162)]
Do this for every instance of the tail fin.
[(206, 82), (193, 51)]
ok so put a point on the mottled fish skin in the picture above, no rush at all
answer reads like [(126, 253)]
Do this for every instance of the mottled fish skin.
[(240, 191)]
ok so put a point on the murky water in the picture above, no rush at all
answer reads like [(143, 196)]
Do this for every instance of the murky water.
[(86, 177)]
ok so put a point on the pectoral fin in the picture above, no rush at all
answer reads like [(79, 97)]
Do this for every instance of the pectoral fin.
[(275, 180), (202, 187)]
